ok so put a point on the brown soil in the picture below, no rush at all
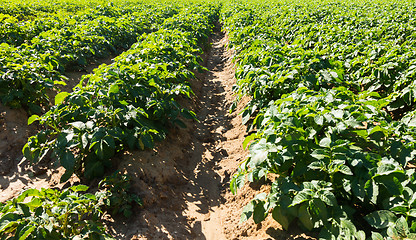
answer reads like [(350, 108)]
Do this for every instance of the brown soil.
[(184, 181)]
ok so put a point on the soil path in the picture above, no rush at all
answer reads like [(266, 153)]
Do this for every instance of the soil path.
[(218, 137), (185, 180)]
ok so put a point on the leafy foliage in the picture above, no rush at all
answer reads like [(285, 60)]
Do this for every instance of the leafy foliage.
[(130, 103), (56, 42), (53, 214), (118, 198), (331, 89)]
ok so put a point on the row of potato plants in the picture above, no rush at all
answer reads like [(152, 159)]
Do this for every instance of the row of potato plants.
[(29, 8), (69, 213), (16, 31), (331, 120), (128, 104), (28, 70)]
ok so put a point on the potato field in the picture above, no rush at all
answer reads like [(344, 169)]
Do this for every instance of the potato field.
[(231, 119)]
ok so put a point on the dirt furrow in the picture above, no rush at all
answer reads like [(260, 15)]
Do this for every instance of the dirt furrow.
[(219, 136), (212, 211), (184, 181)]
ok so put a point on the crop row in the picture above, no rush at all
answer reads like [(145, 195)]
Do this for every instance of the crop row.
[(128, 104), (70, 213), (332, 99), (15, 31), (32, 8), (26, 71)]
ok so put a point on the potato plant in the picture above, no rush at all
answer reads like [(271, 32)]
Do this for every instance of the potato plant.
[(70, 213), (53, 214)]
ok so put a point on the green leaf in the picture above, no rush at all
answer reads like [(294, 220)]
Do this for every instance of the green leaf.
[(392, 232), (26, 231), (317, 165), (380, 219), (32, 119), (28, 193), (376, 236), (281, 218), (411, 236), (392, 184), (23, 209), (34, 203), (329, 232), (237, 182), (318, 209), (338, 113), (360, 235), (7, 220), (188, 114), (8, 226), (325, 142), (246, 116), (362, 133), (345, 170), (105, 149), (147, 140), (79, 188), (113, 89), (93, 168), (67, 160), (123, 102), (300, 198), (84, 140), (27, 152), (372, 190), (60, 97), (247, 211), (348, 225), (78, 125), (328, 198), (386, 169), (412, 213), (376, 129), (248, 139), (402, 227), (259, 213), (305, 218), (66, 175), (319, 154), (319, 120)]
